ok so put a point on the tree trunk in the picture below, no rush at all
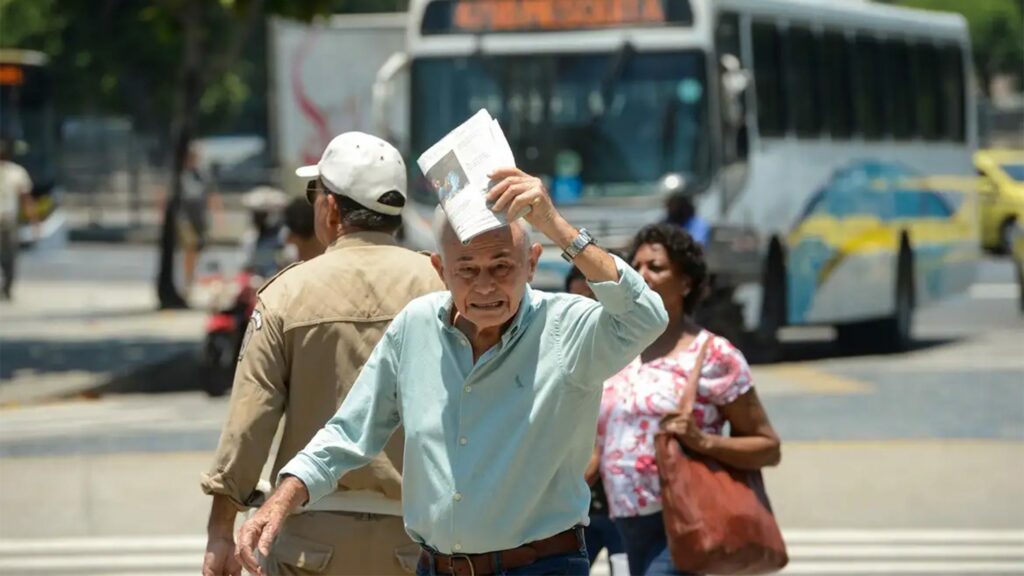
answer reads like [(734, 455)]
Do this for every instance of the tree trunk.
[(183, 130)]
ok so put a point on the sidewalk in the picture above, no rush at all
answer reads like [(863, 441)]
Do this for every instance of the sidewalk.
[(62, 337), (144, 227)]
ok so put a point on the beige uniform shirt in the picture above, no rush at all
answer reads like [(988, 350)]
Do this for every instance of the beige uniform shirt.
[(313, 329)]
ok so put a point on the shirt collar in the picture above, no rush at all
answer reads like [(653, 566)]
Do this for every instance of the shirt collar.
[(444, 314), (357, 239)]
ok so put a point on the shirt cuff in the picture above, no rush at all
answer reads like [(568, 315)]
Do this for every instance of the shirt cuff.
[(215, 483), (318, 480), (619, 297)]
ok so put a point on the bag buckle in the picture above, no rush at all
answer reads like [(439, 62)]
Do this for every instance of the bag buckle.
[(454, 557)]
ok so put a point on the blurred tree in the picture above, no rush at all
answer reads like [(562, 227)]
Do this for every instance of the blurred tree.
[(997, 33), (170, 65)]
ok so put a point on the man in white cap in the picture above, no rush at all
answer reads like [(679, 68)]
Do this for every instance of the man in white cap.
[(313, 328)]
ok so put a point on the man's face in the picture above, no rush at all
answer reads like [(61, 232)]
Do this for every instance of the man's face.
[(325, 214), (488, 276)]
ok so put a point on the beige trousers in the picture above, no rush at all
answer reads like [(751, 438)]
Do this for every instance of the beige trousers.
[(342, 544)]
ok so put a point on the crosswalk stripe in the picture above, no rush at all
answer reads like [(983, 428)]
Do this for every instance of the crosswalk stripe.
[(913, 551), (956, 569), (106, 417), (833, 551), (903, 536), (994, 291)]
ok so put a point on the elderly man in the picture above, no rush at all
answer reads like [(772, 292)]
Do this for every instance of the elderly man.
[(314, 326), (498, 388)]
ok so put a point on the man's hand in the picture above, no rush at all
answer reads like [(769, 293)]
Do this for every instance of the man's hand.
[(220, 559), (260, 531), (520, 195)]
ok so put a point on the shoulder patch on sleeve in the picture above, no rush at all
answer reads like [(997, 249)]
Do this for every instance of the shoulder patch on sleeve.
[(255, 323), (276, 276)]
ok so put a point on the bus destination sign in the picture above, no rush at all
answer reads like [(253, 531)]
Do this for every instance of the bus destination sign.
[(539, 15)]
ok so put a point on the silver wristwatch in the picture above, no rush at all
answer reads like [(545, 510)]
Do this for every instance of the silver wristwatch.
[(577, 245)]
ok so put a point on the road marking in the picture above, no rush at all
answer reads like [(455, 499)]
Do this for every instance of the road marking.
[(1000, 291), (946, 551), (107, 418), (953, 569), (831, 551), (808, 380), (864, 536)]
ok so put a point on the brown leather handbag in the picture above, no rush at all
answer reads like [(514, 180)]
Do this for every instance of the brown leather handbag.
[(717, 518)]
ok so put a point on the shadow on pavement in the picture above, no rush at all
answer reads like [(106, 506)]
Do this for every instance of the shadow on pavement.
[(49, 356), (811, 350), (182, 372)]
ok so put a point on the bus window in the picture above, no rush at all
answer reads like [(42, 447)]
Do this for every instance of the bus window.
[(733, 108), (896, 56), (868, 95), (625, 134), (837, 85), (928, 103), (805, 98), (768, 79), (953, 92)]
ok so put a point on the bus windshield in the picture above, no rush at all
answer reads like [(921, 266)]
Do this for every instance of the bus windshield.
[(615, 123)]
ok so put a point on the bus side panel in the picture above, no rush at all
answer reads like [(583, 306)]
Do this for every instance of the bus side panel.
[(843, 210)]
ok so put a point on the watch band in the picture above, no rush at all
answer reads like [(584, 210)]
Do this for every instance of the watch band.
[(581, 241)]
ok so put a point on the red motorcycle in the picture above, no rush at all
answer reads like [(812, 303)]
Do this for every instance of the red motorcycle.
[(232, 301)]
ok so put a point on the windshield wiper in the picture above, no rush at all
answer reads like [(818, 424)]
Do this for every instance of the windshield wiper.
[(612, 76)]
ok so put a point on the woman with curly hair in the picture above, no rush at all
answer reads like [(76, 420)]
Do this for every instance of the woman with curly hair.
[(636, 399)]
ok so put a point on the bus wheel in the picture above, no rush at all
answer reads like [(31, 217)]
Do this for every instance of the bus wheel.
[(1006, 232), (893, 333), (764, 344)]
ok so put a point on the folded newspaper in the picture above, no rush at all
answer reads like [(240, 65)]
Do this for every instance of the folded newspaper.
[(457, 168)]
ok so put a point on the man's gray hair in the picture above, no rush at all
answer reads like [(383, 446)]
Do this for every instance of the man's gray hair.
[(442, 226)]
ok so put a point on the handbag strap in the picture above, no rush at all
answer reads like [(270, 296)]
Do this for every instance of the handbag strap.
[(693, 380)]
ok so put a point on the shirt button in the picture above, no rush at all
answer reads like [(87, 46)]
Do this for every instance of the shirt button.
[(469, 389), (457, 547), (458, 496), (463, 440)]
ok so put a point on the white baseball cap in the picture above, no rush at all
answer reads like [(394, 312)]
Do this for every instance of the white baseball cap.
[(361, 167)]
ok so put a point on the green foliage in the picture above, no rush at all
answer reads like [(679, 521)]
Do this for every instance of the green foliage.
[(125, 57), (997, 34)]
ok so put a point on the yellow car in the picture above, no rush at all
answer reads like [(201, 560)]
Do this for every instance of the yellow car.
[(1002, 196)]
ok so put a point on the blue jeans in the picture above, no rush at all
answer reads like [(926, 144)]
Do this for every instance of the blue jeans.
[(647, 546), (602, 533), (571, 564)]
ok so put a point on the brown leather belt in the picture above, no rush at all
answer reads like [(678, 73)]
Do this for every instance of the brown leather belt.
[(484, 564)]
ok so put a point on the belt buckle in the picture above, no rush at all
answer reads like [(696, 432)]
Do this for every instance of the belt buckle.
[(454, 557)]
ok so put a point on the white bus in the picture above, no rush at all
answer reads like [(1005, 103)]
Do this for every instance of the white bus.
[(807, 133)]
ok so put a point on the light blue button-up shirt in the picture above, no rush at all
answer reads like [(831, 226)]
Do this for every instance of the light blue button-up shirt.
[(495, 450)]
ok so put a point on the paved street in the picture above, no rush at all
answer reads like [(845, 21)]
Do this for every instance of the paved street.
[(896, 464)]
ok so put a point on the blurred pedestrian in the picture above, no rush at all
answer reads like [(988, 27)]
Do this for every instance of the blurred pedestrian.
[(680, 211), (312, 330), (198, 200), (263, 242), (601, 533), (15, 198), (300, 235), (498, 388), (636, 399)]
